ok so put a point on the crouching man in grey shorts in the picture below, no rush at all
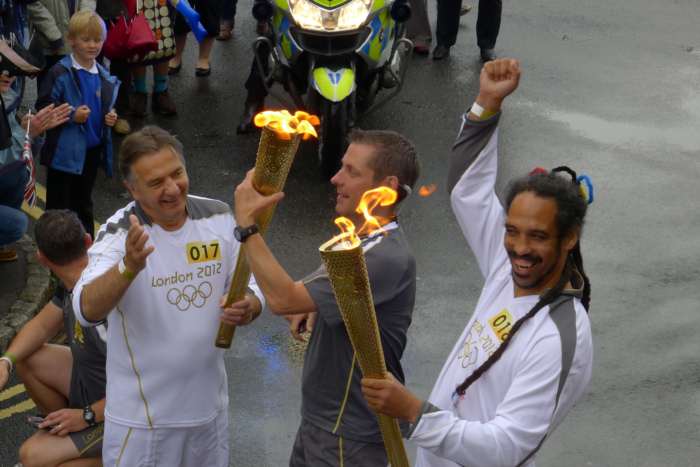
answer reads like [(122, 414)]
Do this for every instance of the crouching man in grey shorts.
[(66, 382)]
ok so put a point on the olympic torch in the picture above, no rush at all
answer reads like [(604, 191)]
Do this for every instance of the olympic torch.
[(345, 263), (279, 141)]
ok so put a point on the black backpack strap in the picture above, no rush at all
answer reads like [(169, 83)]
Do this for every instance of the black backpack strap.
[(563, 314)]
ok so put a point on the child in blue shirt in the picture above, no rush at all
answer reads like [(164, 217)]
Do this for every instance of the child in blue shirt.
[(73, 151)]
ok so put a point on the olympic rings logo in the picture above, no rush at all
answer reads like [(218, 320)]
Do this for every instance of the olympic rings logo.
[(190, 296)]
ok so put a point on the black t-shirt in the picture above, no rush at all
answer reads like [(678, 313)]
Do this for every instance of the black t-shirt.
[(328, 361), (89, 351)]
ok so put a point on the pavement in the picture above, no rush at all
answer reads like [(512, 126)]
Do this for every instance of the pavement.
[(24, 289), (610, 88)]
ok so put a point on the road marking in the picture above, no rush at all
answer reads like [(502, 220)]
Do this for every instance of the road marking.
[(23, 406), (40, 191), (11, 392), (34, 211)]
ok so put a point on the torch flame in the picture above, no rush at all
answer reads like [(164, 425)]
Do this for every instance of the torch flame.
[(285, 124), (380, 196), (427, 190), (349, 237)]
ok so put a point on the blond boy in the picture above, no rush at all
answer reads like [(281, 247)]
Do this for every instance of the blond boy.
[(74, 151)]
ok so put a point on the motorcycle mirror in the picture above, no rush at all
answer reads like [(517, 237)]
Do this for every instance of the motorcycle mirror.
[(262, 10), (401, 11)]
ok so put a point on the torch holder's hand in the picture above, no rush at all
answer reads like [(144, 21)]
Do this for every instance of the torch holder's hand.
[(250, 204)]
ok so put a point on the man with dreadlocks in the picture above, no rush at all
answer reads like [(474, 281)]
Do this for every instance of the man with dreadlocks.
[(525, 356)]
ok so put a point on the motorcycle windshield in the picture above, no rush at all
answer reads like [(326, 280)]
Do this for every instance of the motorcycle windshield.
[(330, 4)]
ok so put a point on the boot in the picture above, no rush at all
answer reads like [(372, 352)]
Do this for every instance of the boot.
[(441, 52), (162, 104), (487, 55)]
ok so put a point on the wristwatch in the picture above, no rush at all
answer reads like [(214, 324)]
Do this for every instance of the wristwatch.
[(89, 416), (242, 233)]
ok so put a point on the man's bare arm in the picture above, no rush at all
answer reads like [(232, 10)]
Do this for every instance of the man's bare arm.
[(32, 336), (284, 296), (100, 296)]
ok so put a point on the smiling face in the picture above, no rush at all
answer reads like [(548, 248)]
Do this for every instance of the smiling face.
[(160, 184), (536, 250), (354, 178)]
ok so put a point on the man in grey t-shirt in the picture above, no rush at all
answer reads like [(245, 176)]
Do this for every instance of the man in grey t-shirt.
[(338, 427), (67, 383)]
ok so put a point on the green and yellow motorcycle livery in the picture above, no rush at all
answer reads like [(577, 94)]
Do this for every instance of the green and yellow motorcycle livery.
[(333, 57)]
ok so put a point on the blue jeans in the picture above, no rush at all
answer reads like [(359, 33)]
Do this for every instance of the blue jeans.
[(13, 222)]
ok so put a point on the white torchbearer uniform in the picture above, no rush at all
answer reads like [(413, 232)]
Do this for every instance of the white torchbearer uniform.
[(166, 381), (504, 415)]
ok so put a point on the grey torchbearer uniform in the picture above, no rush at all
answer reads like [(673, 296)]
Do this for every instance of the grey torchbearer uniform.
[(87, 382), (329, 364)]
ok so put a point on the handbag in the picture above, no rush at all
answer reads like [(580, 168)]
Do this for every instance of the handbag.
[(114, 47), (141, 39), (129, 37)]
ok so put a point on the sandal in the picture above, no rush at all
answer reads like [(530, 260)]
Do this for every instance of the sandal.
[(173, 70), (201, 72)]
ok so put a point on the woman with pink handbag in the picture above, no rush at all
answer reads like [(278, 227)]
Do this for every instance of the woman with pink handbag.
[(159, 16)]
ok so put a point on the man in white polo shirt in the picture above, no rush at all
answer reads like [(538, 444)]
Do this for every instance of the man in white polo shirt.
[(157, 271)]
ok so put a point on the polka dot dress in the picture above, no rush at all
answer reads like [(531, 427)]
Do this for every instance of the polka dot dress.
[(160, 17)]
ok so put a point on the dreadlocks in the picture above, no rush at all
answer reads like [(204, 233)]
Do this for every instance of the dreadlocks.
[(571, 211)]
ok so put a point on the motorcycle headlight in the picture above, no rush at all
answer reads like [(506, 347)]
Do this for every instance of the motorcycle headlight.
[(310, 16)]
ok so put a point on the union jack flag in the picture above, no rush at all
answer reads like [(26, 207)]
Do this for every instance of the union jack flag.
[(30, 187)]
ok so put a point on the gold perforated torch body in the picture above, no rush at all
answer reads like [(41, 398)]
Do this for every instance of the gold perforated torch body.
[(347, 272), (272, 164)]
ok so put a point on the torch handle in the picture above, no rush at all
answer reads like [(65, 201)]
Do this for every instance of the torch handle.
[(272, 164), (347, 271), (239, 285), (239, 282), (391, 433)]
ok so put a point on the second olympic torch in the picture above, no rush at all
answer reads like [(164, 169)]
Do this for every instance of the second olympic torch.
[(347, 270), (279, 141)]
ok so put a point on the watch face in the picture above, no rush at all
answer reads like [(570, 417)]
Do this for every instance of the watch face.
[(242, 233)]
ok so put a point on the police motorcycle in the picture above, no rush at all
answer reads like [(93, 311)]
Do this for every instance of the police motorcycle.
[(339, 55)]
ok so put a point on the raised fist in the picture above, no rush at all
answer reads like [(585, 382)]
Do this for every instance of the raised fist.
[(498, 79)]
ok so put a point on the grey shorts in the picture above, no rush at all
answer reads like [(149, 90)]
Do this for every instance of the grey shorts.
[(89, 441), (315, 447)]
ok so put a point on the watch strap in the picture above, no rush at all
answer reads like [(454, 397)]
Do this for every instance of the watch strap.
[(245, 232)]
